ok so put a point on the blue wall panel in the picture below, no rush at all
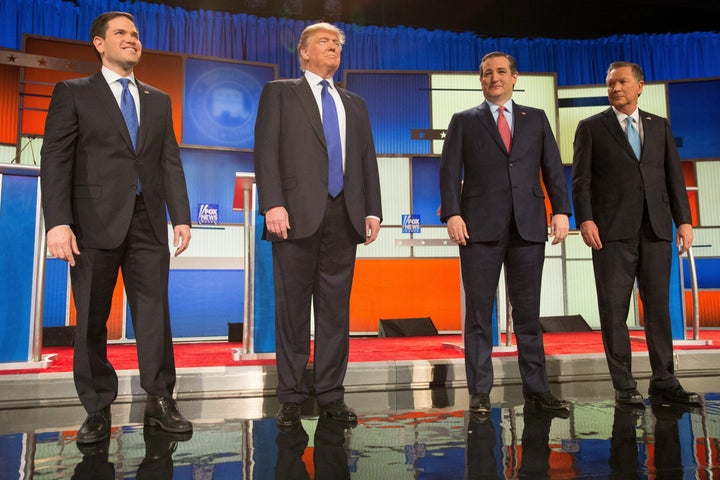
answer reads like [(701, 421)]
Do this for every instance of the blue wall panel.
[(397, 104), (55, 293), (203, 302), (693, 114), (426, 189)]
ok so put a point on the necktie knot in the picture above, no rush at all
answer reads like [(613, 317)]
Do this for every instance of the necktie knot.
[(331, 128), (633, 136)]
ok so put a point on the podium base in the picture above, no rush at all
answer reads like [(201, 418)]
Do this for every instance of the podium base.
[(238, 355), (498, 349), (44, 363)]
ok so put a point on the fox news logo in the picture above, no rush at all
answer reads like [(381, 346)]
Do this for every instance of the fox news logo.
[(208, 213), (411, 224)]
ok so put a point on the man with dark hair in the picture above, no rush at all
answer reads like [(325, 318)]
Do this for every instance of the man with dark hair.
[(628, 188), (494, 205), (319, 189), (110, 169)]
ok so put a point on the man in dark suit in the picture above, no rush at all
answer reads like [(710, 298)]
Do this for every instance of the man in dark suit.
[(319, 189), (493, 202), (625, 204), (104, 196)]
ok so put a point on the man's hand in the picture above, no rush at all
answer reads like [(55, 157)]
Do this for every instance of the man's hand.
[(372, 228), (684, 238), (590, 234), (457, 230), (559, 227), (181, 238), (277, 222), (62, 244)]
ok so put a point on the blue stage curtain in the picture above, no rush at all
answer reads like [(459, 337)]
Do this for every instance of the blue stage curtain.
[(240, 36)]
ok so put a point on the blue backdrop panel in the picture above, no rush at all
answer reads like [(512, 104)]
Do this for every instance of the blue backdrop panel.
[(264, 311), (210, 177), (14, 461), (426, 189), (18, 210), (55, 293), (397, 104), (221, 100), (676, 296), (693, 113), (707, 271), (202, 302)]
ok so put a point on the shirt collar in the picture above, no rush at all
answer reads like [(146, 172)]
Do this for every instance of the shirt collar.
[(494, 108), (621, 116), (314, 79), (111, 76)]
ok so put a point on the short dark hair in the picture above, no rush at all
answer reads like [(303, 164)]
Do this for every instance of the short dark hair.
[(100, 25), (634, 67), (511, 60)]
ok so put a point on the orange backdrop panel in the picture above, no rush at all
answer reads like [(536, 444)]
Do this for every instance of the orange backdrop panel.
[(709, 301), (161, 70), (117, 311), (405, 288), (9, 104)]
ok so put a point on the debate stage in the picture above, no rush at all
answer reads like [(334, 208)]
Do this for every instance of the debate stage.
[(210, 370)]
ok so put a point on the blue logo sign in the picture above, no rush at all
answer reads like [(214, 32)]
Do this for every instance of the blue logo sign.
[(208, 213), (411, 224)]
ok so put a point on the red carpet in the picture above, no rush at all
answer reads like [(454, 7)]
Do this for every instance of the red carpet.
[(373, 349)]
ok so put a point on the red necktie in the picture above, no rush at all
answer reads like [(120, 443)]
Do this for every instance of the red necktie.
[(504, 128)]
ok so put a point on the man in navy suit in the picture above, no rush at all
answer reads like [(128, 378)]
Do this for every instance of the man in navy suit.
[(626, 203), (104, 196), (313, 218), (493, 202)]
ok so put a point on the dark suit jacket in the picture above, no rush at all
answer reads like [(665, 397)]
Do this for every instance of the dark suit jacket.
[(610, 186), (291, 160), (89, 168), (497, 185)]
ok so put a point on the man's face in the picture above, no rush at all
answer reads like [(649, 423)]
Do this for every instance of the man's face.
[(497, 80), (623, 89), (121, 49), (322, 53)]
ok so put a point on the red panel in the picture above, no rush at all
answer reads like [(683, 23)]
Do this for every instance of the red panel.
[(9, 103), (161, 70)]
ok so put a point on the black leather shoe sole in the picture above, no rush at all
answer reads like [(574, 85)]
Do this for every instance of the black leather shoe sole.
[(157, 423), (687, 398), (629, 397)]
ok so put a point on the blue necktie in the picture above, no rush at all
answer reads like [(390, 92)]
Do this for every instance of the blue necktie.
[(331, 127), (129, 113), (633, 136)]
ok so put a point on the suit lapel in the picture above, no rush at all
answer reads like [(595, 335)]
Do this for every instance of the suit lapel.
[(146, 110), (309, 105), (486, 118), (613, 126), (107, 100)]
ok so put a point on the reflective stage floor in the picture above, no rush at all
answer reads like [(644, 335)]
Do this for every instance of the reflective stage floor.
[(413, 434)]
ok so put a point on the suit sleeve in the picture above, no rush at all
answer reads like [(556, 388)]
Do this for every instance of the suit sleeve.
[(582, 174), (58, 154), (679, 204), (553, 171), (451, 168), (266, 156), (175, 186)]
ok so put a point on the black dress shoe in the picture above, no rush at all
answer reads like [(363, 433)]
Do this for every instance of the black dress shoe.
[(288, 415), (480, 403), (629, 395), (675, 394), (96, 427), (162, 412), (545, 400), (339, 411)]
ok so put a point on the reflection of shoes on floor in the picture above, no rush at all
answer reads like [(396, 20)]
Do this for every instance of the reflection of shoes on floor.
[(629, 396), (98, 449), (632, 409), (159, 443), (675, 394), (479, 417), (538, 411), (480, 403), (672, 411)]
